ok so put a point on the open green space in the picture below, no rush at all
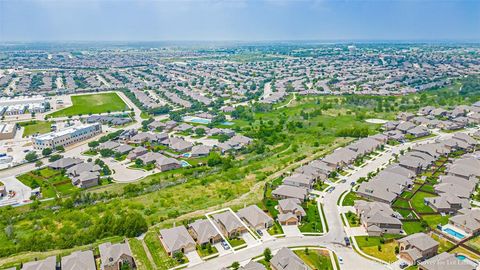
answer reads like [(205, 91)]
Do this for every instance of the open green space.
[(308, 128), (378, 247), (315, 259), (92, 104), (51, 182), (35, 127)]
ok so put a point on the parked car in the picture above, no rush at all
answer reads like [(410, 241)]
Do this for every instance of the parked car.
[(347, 241), (403, 265), (340, 260), (225, 245), (260, 232)]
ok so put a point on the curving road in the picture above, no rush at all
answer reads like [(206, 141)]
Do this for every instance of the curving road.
[(334, 238)]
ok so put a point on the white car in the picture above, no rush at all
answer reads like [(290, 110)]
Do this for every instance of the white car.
[(340, 260)]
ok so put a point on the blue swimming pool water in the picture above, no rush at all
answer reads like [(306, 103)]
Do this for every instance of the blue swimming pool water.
[(184, 163), (454, 233), (461, 257), (200, 121)]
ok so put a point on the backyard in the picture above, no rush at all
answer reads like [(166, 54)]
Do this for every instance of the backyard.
[(379, 247), (312, 221), (92, 104)]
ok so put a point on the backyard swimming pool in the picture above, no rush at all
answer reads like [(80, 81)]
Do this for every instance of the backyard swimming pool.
[(454, 233), (203, 121)]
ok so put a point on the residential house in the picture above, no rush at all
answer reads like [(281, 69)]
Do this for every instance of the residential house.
[(64, 163), (200, 150), (203, 232), (378, 218), (177, 239), (49, 263), (136, 152), (114, 256), (417, 247), (285, 259), (468, 220), (255, 217), (229, 224), (445, 261), (291, 211), (285, 192), (299, 180), (164, 163), (79, 260)]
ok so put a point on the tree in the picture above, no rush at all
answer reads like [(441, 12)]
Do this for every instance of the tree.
[(235, 265), (60, 148), (38, 163), (93, 144), (267, 253), (106, 152), (47, 151), (53, 158), (200, 132), (31, 156), (139, 162)]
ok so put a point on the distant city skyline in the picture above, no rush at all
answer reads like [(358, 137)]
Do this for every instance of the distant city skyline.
[(239, 20)]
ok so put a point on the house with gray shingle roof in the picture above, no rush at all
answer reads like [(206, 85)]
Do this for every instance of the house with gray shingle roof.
[(417, 247), (378, 218), (113, 256), (252, 265), (285, 259), (79, 260), (229, 224), (177, 239), (445, 261), (49, 263), (285, 192), (299, 180), (203, 232), (255, 217)]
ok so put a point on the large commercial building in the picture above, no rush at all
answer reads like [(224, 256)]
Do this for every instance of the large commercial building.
[(66, 136), (7, 131), (19, 105)]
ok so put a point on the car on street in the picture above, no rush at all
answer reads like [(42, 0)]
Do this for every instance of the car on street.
[(260, 232), (403, 265), (347, 241), (340, 260)]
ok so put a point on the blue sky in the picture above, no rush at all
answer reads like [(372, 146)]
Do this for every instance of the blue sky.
[(247, 20)]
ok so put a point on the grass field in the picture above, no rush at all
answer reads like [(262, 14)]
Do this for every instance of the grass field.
[(373, 246), (160, 257), (311, 222), (92, 104), (316, 259), (418, 202), (350, 198), (411, 227), (141, 259), (33, 127), (444, 244), (51, 182)]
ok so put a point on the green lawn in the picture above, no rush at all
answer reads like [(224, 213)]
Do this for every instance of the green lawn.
[(275, 229), (444, 244), (434, 220), (235, 242), (316, 259), (353, 219), (401, 203), (373, 246), (34, 127), (206, 250), (418, 202), (411, 227), (141, 259), (350, 198), (92, 104), (311, 222), (159, 255), (51, 182), (474, 243)]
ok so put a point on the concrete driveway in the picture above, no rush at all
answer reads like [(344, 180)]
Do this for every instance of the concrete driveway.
[(249, 239), (266, 236), (193, 258), (291, 230), (221, 250)]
